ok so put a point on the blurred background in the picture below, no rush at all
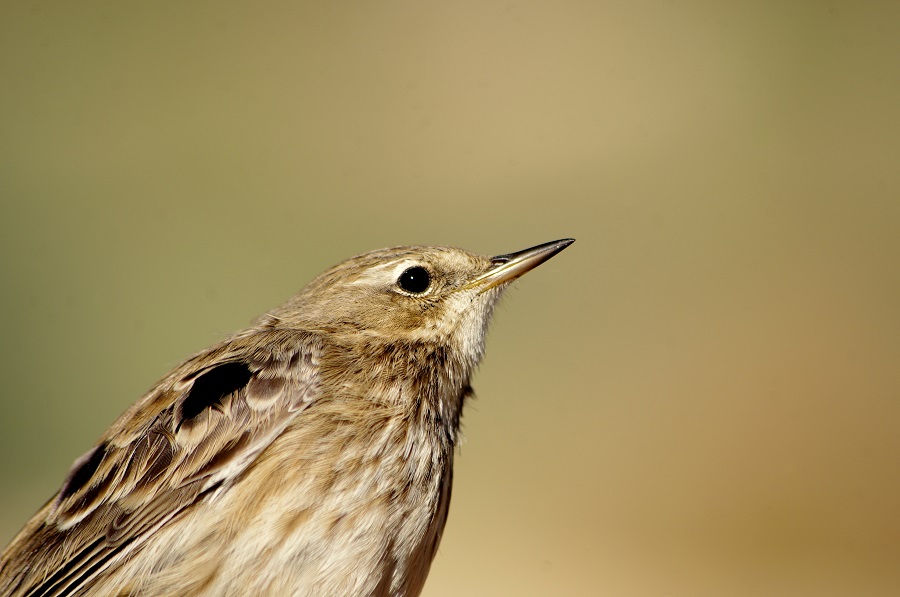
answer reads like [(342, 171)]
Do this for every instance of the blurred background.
[(701, 397)]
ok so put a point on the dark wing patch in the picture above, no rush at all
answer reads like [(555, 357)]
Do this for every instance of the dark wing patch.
[(150, 468), (212, 386), (82, 471)]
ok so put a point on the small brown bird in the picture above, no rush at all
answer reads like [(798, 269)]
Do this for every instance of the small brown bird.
[(310, 454)]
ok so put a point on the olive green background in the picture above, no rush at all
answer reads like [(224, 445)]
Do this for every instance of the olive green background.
[(701, 397)]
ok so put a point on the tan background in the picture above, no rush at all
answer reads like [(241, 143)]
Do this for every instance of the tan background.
[(701, 397)]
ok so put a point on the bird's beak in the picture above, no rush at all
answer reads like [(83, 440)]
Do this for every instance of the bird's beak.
[(506, 268)]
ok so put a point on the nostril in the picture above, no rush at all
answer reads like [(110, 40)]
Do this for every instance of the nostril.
[(499, 259)]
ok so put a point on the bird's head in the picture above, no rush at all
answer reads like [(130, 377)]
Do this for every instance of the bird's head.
[(419, 294)]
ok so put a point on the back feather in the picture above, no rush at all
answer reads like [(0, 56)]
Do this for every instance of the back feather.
[(181, 444)]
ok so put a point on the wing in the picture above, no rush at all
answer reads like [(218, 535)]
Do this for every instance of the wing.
[(187, 440)]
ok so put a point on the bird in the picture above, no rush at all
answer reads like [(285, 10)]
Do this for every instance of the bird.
[(309, 454)]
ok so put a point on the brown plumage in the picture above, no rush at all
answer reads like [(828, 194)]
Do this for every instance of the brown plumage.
[(310, 454)]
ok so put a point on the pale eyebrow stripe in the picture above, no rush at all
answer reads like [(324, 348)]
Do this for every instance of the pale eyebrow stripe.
[(376, 272)]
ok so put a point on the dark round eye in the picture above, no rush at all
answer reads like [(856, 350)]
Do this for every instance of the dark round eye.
[(415, 280)]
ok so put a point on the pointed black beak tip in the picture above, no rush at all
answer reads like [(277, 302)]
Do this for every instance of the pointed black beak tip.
[(548, 250)]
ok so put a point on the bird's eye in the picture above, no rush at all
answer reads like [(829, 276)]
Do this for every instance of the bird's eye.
[(415, 280)]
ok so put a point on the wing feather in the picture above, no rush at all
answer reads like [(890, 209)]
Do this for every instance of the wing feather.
[(185, 441)]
